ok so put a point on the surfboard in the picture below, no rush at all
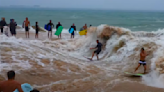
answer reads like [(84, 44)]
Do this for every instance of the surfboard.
[(133, 74), (71, 30), (87, 58), (59, 30), (83, 32), (47, 27), (25, 87)]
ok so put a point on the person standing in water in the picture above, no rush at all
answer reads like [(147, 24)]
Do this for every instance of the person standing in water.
[(50, 31), (142, 61), (57, 26), (72, 34), (85, 28), (2, 24), (13, 27), (99, 45), (37, 29), (27, 24), (10, 85)]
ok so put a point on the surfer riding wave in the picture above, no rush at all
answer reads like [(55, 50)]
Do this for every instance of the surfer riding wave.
[(99, 45), (143, 55)]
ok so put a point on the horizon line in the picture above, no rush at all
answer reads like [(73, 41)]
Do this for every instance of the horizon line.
[(35, 7)]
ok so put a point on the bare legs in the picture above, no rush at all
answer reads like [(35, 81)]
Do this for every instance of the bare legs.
[(36, 36), (27, 34), (144, 68), (93, 55), (72, 36), (59, 36), (139, 66), (49, 34)]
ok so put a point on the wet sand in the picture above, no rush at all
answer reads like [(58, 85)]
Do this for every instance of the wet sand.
[(60, 76)]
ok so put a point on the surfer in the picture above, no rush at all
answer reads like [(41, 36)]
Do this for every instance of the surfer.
[(50, 31), (72, 34), (37, 29), (57, 26), (2, 24), (27, 24), (13, 27), (99, 45), (10, 85), (142, 61)]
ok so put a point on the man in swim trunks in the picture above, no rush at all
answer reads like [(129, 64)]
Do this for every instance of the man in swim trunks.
[(142, 61), (27, 24), (50, 31), (10, 85), (99, 45)]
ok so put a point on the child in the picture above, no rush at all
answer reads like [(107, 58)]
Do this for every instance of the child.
[(37, 30)]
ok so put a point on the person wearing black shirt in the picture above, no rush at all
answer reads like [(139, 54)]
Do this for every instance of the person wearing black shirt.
[(57, 26), (13, 27), (37, 30), (99, 45), (50, 31), (72, 34), (2, 24)]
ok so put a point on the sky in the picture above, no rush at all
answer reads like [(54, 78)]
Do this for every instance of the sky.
[(91, 4)]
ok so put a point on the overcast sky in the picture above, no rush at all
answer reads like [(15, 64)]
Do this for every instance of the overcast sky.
[(92, 4)]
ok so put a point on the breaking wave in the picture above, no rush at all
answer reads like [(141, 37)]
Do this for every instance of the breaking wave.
[(121, 49)]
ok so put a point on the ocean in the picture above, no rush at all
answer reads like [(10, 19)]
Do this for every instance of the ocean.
[(61, 65), (133, 20)]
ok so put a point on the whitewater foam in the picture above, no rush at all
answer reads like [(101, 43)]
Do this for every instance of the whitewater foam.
[(119, 51)]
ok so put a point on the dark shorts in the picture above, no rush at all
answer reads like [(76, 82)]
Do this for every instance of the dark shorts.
[(37, 31), (26, 29), (13, 32), (142, 62), (97, 51), (72, 33), (1, 30), (50, 30)]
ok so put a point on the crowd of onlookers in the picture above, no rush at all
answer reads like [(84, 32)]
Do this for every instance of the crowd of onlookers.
[(12, 26)]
